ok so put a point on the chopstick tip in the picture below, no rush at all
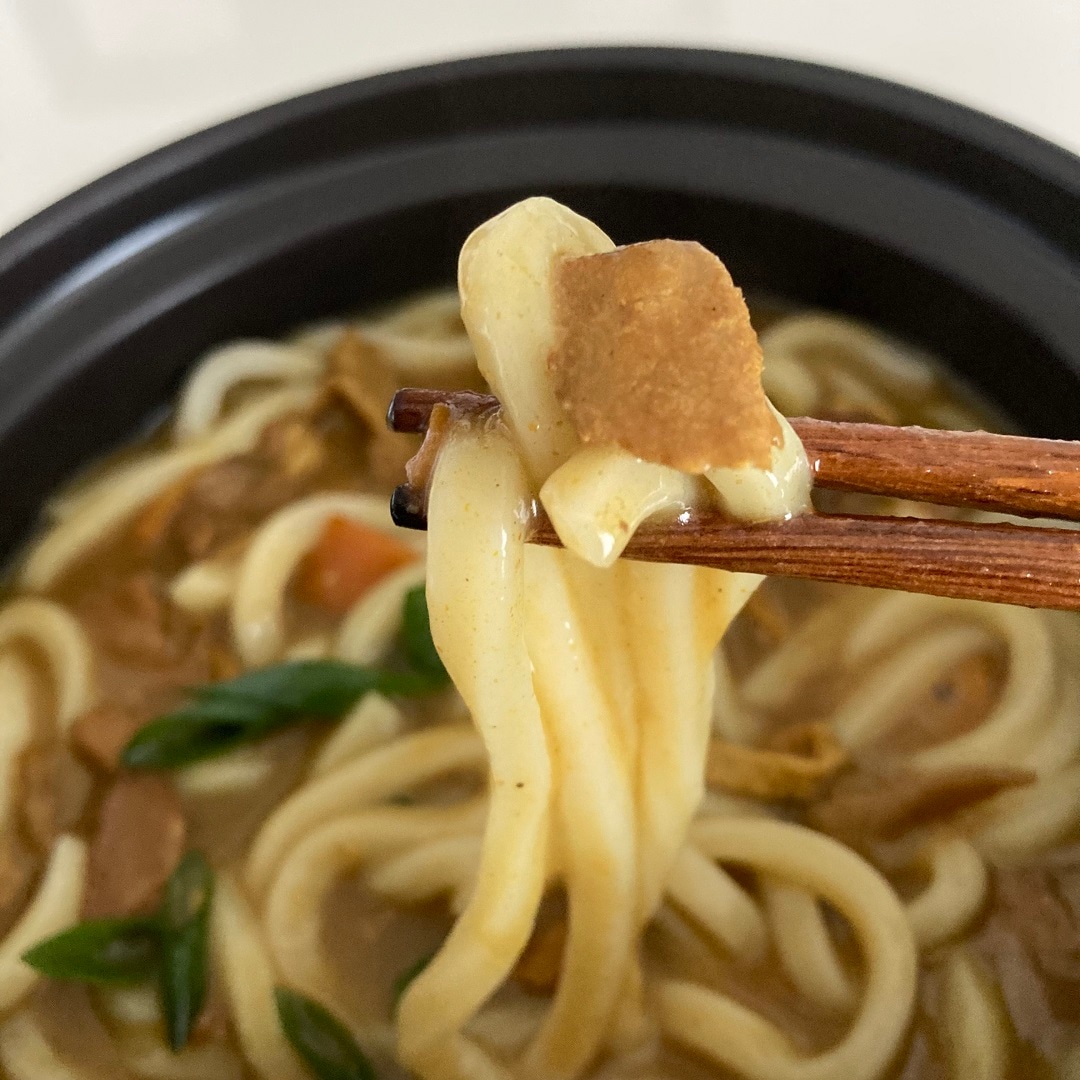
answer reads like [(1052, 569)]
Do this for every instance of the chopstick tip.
[(407, 509)]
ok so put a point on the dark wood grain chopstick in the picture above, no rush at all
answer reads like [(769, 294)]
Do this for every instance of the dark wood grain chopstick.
[(1012, 564), (1009, 564), (1008, 474)]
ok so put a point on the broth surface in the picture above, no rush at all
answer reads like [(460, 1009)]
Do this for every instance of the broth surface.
[(121, 573)]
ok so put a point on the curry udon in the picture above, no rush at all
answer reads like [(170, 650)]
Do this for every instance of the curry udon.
[(464, 808)]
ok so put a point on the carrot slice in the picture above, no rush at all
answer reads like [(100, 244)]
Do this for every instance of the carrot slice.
[(347, 560)]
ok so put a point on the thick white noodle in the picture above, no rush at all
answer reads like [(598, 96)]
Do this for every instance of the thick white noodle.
[(620, 658), (373, 721), (110, 501), (789, 384), (130, 1006), (147, 1056), (955, 895), (345, 844), (1023, 707), (309, 647), (241, 957), (320, 337), (424, 337), (227, 367), (206, 587), (805, 947), (475, 596), (368, 631), (779, 492), (1061, 742), (735, 1037), (803, 338), (443, 866), (258, 621), (596, 837), (1032, 819), (598, 498), (240, 770), (732, 718), (54, 907), (972, 1021), (809, 650), (507, 1028), (709, 894), (16, 731), (380, 774), (65, 646)]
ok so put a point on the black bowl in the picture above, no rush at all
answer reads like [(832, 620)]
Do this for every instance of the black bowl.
[(950, 229)]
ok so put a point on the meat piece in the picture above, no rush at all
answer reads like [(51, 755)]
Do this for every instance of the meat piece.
[(293, 445), (801, 761), (539, 966), (100, 734), (359, 378), (227, 500), (134, 620), (867, 804), (218, 505), (139, 839)]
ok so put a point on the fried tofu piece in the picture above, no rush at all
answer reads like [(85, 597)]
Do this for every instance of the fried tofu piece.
[(655, 353)]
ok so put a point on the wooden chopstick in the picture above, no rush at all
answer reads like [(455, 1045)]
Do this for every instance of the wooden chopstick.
[(1012, 564), (1008, 474)]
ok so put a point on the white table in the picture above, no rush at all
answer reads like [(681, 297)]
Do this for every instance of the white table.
[(88, 84)]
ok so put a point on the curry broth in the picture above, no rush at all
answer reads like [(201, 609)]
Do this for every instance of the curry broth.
[(149, 652)]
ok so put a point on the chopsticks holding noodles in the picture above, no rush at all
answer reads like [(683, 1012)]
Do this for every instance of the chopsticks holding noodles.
[(1008, 474)]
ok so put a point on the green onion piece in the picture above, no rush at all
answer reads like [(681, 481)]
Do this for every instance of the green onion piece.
[(416, 635), (322, 1042), (116, 951), (221, 717), (402, 982), (311, 687), (186, 736), (225, 715), (184, 921)]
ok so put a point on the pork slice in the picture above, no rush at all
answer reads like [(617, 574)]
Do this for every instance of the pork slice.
[(140, 836), (133, 620)]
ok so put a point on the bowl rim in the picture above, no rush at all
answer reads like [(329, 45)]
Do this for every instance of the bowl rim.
[(43, 249)]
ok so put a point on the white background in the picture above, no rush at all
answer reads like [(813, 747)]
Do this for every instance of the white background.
[(88, 84)]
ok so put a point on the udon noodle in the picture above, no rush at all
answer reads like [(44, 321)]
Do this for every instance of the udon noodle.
[(835, 845)]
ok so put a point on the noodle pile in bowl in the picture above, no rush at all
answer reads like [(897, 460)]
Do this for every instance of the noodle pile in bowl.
[(614, 847)]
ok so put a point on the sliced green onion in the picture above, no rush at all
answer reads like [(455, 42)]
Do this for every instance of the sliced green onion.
[(185, 927), (117, 951), (321, 1041)]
